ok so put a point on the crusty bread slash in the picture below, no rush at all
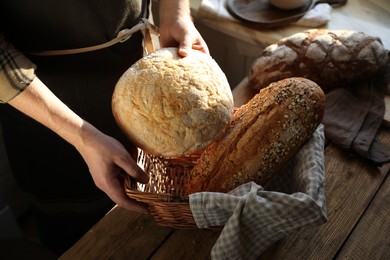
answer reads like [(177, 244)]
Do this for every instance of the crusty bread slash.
[(263, 135), (330, 58)]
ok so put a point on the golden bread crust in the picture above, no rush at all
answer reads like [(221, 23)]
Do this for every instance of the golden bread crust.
[(173, 106), (263, 135)]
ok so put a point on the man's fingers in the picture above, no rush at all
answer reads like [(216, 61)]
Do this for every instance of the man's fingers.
[(118, 195), (183, 51), (189, 43), (132, 169)]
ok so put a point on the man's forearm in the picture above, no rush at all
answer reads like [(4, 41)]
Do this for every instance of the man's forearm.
[(39, 103), (169, 9)]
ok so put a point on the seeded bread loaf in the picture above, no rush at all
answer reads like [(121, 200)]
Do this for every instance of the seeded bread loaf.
[(331, 58), (263, 135), (173, 106)]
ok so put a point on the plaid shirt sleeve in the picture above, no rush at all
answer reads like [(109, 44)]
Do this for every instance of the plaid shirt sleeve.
[(16, 71), (254, 217)]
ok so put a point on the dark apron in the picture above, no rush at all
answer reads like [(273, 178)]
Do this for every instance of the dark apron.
[(46, 167)]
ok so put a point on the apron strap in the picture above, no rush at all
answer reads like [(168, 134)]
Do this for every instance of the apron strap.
[(145, 26)]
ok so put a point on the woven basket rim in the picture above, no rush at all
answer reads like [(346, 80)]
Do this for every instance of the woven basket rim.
[(168, 209), (151, 196)]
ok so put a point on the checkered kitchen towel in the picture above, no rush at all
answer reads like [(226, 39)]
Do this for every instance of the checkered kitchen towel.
[(255, 217)]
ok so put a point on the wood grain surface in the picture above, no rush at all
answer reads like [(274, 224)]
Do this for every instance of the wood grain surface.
[(351, 186), (358, 206)]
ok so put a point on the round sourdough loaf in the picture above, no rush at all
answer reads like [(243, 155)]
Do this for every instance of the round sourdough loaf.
[(173, 106)]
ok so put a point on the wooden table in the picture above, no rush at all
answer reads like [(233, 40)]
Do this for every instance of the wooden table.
[(358, 227), (358, 194)]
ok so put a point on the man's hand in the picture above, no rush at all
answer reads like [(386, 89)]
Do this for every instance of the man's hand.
[(177, 28), (106, 158), (108, 162)]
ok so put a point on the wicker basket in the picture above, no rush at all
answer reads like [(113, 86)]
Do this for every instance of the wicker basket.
[(168, 203)]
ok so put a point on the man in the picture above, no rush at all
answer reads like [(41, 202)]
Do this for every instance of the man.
[(61, 139)]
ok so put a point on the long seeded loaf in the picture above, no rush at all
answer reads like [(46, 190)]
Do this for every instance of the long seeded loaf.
[(263, 135)]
